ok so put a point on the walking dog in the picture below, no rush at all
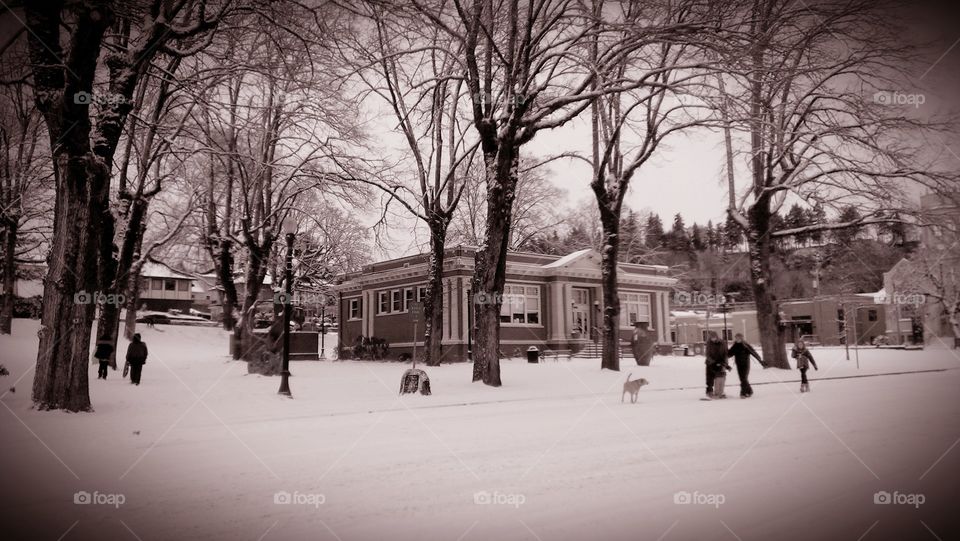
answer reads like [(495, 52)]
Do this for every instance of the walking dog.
[(632, 387)]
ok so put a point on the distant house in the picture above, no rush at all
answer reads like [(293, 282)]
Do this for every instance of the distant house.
[(834, 320), (163, 288), (548, 301), (692, 326)]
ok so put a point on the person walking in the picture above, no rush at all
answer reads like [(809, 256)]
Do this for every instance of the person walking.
[(804, 361), (136, 358), (716, 364), (741, 351), (642, 344), (102, 355)]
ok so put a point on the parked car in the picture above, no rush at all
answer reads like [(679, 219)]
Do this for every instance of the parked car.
[(199, 313), (153, 318), (811, 339)]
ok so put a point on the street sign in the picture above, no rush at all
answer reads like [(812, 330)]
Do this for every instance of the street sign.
[(416, 311)]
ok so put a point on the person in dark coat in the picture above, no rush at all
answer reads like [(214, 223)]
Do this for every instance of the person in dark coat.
[(136, 358), (716, 361), (102, 355), (741, 351), (642, 343), (804, 361)]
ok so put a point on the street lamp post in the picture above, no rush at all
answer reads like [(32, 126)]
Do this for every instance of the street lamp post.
[(287, 309), (323, 328)]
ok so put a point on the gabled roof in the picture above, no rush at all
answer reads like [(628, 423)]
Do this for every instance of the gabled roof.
[(154, 269)]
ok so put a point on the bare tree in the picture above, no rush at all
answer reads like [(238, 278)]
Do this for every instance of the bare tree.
[(629, 126), (25, 178), (66, 43), (410, 70), (802, 83), (524, 72)]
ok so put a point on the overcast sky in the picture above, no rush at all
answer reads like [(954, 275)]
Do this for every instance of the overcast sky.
[(687, 174)]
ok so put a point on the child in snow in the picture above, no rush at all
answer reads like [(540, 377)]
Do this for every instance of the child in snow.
[(741, 351), (102, 355), (804, 360), (716, 361), (136, 357)]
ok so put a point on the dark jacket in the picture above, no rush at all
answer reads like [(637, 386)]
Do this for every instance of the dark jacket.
[(103, 351), (804, 358), (717, 357), (137, 353), (742, 351)]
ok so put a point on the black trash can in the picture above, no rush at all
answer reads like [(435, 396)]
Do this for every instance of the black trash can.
[(533, 354)]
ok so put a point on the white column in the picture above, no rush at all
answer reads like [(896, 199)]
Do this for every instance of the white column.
[(567, 311), (464, 302), (454, 309), (556, 311), (664, 317), (446, 311)]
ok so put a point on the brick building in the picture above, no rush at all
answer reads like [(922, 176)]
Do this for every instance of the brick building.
[(549, 301)]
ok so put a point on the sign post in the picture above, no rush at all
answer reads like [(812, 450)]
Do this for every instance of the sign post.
[(414, 380), (416, 313)]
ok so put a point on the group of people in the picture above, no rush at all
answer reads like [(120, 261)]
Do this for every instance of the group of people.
[(717, 364), (136, 358)]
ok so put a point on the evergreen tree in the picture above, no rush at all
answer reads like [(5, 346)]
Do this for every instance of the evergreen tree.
[(846, 236), (696, 238), (797, 217), (654, 232), (712, 241), (732, 234), (679, 240), (816, 216)]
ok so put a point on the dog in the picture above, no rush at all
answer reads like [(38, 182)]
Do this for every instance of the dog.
[(632, 387)]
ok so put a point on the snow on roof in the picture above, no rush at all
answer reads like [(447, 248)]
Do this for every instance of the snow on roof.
[(567, 259), (878, 297), (152, 269)]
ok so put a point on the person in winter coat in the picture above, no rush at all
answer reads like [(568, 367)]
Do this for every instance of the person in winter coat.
[(102, 355), (804, 361), (642, 343), (136, 357), (716, 361), (741, 352)]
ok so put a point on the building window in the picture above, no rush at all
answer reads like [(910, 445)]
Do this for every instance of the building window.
[(156, 284), (421, 293), (634, 307), (871, 315), (521, 305), (383, 302), (169, 285), (355, 308), (407, 298), (183, 285), (397, 297)]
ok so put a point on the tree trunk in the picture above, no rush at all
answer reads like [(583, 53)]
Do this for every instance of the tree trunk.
[(771, 336), (491, 263), (67, 317), (610, 358), (108, 324), (433, 304), (9, 276), (133, 298), (224, 266)]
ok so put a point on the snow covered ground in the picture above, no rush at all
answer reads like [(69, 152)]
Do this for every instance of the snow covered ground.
[(201, 450)]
